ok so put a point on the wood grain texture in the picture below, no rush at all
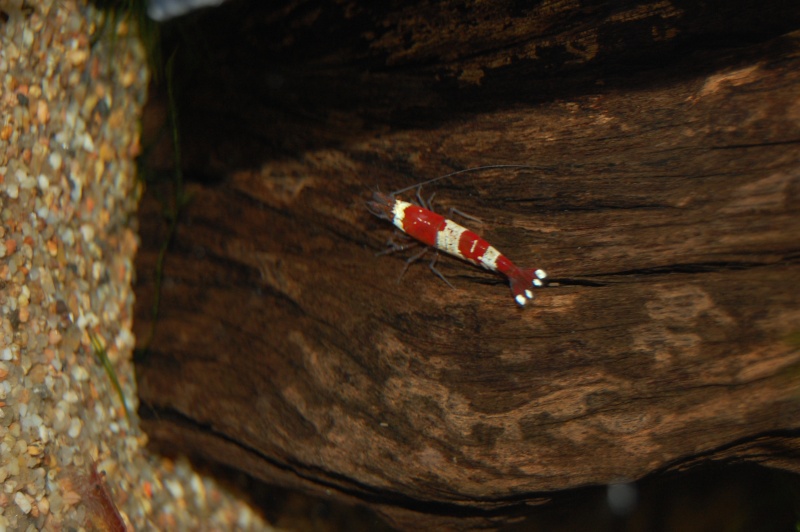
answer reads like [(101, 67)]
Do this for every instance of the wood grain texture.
[(664, 206)]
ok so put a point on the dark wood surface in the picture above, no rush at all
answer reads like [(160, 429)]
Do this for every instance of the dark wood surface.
[(663, 204)]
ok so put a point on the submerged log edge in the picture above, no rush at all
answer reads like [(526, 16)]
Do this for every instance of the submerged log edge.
[(663, 204)]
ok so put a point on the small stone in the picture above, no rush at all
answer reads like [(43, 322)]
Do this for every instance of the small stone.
[(88, 144), (24, 503), (88, 232), (25, 293), (13, 471), (174, 488), (42, 112), (77, 57), (199, 489), (74, 428), (65, 455), (54, 337), (71, 396), (79, 460), (26, 182), (128, 78), (45, 433), (107, 152), (56, 502), (80, 374), (55, 161), (97, 270), (31, 421), (27, 40), (11, 246), (37, 375), (44, 506), (38, 481), (34, 91), (13, 190), (47, 282), (60, 419)]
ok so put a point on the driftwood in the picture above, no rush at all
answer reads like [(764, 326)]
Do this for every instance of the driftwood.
[(663, 204)]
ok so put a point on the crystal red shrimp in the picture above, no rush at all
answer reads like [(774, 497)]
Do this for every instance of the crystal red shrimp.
[(435, 230)]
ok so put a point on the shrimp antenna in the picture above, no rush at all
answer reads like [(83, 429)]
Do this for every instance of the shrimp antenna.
[(464, 171)]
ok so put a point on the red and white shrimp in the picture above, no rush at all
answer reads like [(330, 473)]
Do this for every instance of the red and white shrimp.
[(435, 230)]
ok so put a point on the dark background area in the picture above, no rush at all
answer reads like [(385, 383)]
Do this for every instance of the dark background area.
[(715, 497)]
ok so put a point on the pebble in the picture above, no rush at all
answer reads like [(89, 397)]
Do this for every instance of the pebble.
[(74, 428), (79, 373), (24, 503), (31, 421), (44, 506), (174, 488), (12, 190)]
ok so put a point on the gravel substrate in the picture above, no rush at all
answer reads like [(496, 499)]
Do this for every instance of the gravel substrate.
[(68, 194)]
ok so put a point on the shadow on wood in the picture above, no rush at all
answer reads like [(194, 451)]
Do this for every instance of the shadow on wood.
[(664, 205)]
